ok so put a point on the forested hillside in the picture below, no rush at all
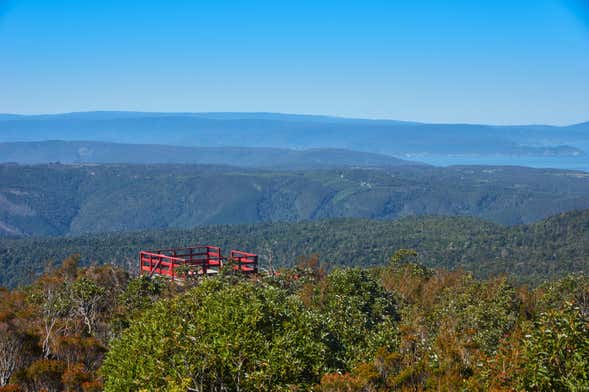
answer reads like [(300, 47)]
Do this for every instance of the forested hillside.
[(529, 253), (75, 199)]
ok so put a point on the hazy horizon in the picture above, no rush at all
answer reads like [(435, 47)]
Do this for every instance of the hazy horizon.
[(321, 115)]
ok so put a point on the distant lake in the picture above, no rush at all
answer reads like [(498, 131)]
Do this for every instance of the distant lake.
[(571, 163)]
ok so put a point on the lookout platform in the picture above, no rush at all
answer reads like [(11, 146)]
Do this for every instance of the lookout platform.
[(199, 260)]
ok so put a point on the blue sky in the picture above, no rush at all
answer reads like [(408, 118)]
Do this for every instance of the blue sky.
[(500, 62)]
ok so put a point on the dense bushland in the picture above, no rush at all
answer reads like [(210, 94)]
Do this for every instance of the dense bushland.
[(401, 326)]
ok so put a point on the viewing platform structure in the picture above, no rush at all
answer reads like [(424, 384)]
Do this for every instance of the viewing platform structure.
[(199, 260)]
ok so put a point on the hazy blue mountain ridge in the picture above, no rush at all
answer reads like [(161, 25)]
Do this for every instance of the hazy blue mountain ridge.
[(261, 157), (295, 131)]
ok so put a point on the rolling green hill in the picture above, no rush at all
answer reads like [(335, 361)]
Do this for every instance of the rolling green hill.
[(530, 253)]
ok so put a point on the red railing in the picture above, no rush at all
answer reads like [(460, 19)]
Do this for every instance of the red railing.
[(195, 260), (246, 262)]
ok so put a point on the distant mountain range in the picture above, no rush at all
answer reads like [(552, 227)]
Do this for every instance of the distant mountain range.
[(398, 138), (61, 199)]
